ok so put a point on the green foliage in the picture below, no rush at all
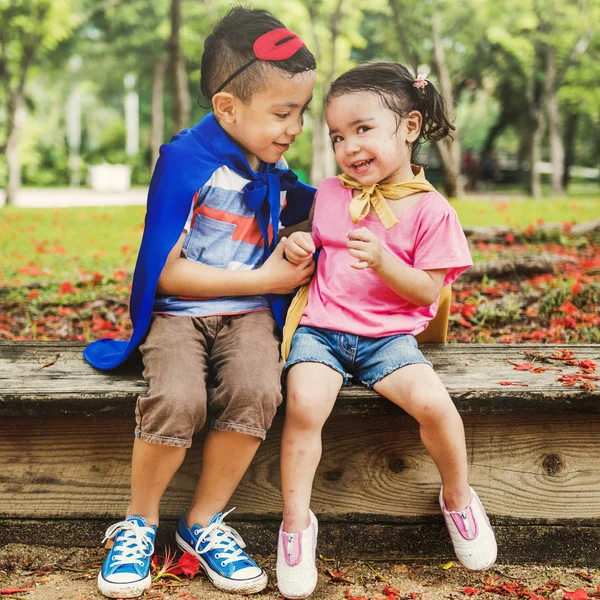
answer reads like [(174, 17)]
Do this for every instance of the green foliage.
[(560, 292), (498, 312), (493, 52)]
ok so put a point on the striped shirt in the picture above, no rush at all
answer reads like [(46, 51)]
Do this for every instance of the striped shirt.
[(221, 231)]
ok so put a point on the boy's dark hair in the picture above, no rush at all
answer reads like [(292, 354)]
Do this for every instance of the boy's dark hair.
[(230, 46), (394, 84)]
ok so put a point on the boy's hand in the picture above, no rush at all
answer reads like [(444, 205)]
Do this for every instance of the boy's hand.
[(281, 276), (299, 247), (364, 245)]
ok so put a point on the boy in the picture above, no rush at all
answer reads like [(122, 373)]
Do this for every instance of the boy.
[(201, 294)]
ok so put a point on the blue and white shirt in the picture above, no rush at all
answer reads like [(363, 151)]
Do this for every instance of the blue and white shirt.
[(221, 231)]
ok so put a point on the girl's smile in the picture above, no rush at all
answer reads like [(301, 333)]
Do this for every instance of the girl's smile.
[(369, 143)]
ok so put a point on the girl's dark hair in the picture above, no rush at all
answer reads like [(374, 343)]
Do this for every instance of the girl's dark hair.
[(394, 84), (230, 46)]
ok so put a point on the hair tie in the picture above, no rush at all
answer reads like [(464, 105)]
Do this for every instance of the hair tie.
[(421, 81), (275, 45)]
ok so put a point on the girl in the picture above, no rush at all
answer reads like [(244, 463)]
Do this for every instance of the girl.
[(389, 242)]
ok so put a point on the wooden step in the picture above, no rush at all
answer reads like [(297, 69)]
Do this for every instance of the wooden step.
[(534, 454), (470, 372)]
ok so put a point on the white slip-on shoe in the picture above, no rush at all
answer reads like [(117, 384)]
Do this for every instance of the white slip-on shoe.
[(471, 534), (296, 554)]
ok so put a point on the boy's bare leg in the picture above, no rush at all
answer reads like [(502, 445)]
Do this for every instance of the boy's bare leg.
[(312, 389), (152, 468), (419, 391), (226, 457)]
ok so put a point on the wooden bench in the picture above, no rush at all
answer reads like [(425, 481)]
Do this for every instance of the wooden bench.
[(66, 432)]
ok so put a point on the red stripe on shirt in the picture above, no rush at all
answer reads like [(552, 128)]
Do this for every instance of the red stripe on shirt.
[(246, 228)]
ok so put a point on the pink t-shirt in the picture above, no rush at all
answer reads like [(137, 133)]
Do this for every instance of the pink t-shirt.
[(428, 236)]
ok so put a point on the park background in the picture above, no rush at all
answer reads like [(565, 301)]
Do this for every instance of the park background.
[(90, 89)]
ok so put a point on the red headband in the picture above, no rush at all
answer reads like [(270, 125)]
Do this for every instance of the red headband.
[(277, 44)]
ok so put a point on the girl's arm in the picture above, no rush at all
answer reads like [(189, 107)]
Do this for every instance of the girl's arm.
[(418, 287), (414, 285)]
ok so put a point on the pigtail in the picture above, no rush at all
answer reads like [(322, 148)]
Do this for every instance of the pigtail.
[(432, 105)]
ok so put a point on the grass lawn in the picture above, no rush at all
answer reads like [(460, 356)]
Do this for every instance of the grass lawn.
[(518, 213), (66, 274), (66, 244), (63, 244)]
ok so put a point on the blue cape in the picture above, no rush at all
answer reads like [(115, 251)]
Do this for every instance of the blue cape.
[(184, 166)]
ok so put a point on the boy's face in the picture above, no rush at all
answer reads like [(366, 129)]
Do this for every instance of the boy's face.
[(265, 127), (368, 142)]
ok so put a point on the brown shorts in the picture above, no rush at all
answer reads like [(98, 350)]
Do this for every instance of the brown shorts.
[(226, 366)]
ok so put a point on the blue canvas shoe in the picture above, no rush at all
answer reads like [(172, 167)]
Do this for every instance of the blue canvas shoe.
[(126, 570), (219, 548)]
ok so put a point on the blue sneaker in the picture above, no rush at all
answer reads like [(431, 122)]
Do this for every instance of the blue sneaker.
[(126, 570), (219, 548)]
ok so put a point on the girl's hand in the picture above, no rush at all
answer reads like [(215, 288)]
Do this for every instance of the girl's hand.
[(299, 247), (364, 245), (280, 276)]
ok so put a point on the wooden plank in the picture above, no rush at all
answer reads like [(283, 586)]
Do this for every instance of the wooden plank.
[(471, 373), (518, 544), (537, 469)]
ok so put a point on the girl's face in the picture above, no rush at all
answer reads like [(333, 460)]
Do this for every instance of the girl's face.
[(369, 144)]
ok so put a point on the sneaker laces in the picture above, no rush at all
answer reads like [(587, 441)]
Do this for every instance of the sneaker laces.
[(223, 538), (132, 543)]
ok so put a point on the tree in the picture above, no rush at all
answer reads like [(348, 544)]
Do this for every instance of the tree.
[(28, 30), (138, 31), (435, 35), (179, 82), (545, 41)]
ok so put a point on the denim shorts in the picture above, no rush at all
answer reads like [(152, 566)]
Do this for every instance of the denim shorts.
[(354, 356)]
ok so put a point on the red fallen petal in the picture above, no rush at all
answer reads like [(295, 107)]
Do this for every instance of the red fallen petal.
[(579, 594), (568, 308), (470, 591), (6, 591), (189, 565), (521, 366), (67, 288), (464, 322), (513, 383)]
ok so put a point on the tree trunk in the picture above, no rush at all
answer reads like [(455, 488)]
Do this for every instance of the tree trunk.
[(158, 115), (536, 103), (449, 152), (323, 161), (557, 152), (535, 178), (505, 118), (570, 133), (181, 93), (323, 164), (16, 118)]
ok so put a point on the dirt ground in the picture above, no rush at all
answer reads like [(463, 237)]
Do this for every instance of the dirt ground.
[(45, 573)]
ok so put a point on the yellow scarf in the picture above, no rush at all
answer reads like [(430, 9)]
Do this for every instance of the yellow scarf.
[(371, 195), (375, 196)]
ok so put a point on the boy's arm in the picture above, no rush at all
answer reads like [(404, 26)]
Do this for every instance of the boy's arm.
[(302, 226), (183, 277)]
